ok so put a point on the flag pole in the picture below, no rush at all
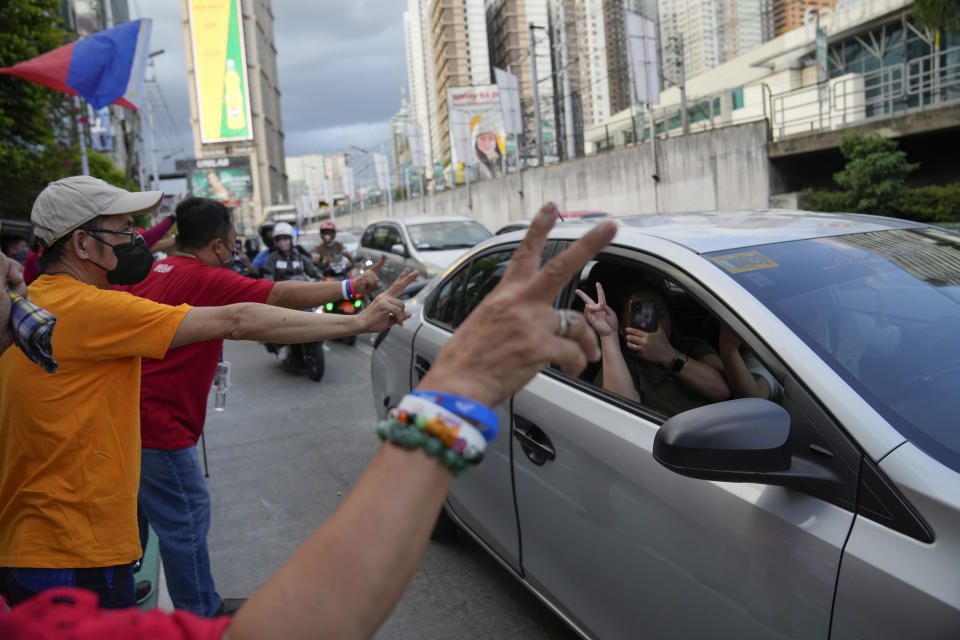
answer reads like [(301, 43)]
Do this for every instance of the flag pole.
[(84, 164)]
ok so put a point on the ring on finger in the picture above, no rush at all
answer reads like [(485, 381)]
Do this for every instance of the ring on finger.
[(566, 320)]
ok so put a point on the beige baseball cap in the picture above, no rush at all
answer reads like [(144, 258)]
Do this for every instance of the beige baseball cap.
[(68, 203)]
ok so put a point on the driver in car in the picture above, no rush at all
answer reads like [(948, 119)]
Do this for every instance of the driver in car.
[(644, 360)]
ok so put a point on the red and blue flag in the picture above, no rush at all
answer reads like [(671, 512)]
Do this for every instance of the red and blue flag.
[(104, 68)]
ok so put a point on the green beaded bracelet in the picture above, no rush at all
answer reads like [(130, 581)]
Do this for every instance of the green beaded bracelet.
[(411, 436)]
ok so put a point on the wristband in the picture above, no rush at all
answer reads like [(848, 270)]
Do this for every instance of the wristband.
[(484, 418), (455, 432), (350, 290), (343, 290)]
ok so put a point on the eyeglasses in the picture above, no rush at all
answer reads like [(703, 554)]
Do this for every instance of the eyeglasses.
[(132, 234)]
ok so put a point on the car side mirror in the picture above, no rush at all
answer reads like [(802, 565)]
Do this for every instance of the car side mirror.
[(732, 441), (399, 249)]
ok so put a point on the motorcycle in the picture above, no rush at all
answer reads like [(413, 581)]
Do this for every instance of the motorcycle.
[(337, 271), (307, 357)]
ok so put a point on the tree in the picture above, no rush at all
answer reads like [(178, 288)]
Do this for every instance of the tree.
[(940, 15), (29, 114), (874, 174)]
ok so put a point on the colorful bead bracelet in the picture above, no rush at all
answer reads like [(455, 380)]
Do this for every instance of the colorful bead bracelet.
[(455, 445)]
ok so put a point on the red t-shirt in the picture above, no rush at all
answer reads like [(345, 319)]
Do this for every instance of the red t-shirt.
[(73, 613), (173, 391)]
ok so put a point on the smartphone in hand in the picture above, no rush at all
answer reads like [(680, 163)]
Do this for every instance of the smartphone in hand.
[(643, 316)]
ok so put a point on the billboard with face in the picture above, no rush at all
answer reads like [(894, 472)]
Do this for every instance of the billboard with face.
[(481, 128), (220, 70), (226, 179)]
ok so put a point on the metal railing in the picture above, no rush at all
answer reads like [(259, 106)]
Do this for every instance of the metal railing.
[(926, 82)]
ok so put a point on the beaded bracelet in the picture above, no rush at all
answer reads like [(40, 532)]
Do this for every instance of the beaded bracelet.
[(412, 432)]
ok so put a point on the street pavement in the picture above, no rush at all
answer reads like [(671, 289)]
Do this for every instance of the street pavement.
[(283, 455)]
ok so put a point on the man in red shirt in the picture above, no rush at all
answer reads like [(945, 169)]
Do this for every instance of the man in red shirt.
[(173, 391)]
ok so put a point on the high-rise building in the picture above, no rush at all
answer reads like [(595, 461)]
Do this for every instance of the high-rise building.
[(460, 58), (593, 62), (235, 96), (619, 74), (788, 14), (709, 32), (746, 24), (508, 31), (421, 78)]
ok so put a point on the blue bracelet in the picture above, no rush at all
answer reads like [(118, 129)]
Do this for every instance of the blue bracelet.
[(485, 419)]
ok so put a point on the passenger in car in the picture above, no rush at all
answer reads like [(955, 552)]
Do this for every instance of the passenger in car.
[(654, 367), (745, 374)]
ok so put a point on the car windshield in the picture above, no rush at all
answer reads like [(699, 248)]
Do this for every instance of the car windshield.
[(883, 310), (440, 236)]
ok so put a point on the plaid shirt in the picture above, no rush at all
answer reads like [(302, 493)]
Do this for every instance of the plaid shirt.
[(33, 331)]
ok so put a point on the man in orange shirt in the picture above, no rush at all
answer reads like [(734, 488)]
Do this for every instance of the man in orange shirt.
[(70, 441)]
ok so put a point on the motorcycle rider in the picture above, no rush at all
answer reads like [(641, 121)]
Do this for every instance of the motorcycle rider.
[(285, 262), (330, 250)]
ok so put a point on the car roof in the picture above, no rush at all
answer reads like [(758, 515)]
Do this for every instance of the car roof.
[(409, 220), (708, 231)]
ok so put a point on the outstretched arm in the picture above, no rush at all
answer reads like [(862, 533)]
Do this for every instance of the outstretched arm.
[(347, 577), (296, 294)]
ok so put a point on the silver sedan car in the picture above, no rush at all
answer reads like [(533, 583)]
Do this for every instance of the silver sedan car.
[(831, 509)]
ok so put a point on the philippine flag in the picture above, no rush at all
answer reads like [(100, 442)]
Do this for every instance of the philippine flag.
[(104, 68)]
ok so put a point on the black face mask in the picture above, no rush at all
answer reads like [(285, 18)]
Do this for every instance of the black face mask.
[(133, 262)]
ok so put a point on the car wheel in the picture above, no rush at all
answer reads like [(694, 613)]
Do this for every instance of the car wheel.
[(445, 528)]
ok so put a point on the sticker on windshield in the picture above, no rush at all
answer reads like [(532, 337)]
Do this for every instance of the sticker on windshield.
[(746, 261)]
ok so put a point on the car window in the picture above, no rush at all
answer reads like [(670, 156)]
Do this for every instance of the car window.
[(673, 331), (393, 237), (464, 289), (367, 239), (453, 234), (442, 308), (485, 274), (379, 240)]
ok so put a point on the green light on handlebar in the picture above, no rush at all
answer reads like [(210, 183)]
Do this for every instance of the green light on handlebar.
[(357, 303), (329, 306)]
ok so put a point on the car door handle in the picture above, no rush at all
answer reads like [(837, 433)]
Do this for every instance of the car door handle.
[(534, 442), (420, 366)]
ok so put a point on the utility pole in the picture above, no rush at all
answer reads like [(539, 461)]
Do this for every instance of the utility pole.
[(78, 106), (685, 118), (153, 148), (567, 98), (389, 186), (536, 96)]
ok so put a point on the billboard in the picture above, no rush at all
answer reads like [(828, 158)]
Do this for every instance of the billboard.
[(484, 128), (220, 70), (227, 179)]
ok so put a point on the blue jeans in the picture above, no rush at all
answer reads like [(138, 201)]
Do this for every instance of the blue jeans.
[(175, 501), (113, 585)]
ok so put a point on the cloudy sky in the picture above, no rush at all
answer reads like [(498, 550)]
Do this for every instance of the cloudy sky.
[(341, 65)]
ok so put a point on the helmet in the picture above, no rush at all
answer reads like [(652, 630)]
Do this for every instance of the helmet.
[(284, 229), (327, 225)]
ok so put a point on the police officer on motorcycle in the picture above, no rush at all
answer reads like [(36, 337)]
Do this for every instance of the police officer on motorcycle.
[(285, 262)]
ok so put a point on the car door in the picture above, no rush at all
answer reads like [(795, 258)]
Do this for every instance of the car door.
[(627, 549), (482, 498)]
